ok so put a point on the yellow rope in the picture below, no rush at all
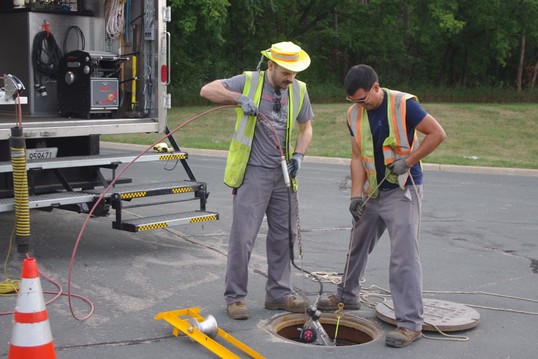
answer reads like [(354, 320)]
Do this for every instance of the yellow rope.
[(339, 314), (9, 287)]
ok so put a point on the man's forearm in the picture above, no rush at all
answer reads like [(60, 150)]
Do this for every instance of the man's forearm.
[(304, 138), (216, 92)]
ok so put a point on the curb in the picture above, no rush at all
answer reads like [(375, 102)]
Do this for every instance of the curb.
[(346, 161)]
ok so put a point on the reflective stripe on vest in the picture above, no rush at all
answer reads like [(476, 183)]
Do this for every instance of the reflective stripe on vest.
[(241, 144), (242, 135), (395, 146)]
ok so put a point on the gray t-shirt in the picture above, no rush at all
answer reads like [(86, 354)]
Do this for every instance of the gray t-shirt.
[(264, 149)]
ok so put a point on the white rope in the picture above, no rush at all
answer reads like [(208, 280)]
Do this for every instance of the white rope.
[(374, 294), (326, 277), (115, 18)]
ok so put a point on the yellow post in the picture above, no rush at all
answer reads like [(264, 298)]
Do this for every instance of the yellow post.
[(133, 83)]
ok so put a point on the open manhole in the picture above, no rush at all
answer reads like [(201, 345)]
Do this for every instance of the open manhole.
[(351, 330)]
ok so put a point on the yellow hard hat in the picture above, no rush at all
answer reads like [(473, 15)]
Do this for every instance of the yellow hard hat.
[(288, 55)]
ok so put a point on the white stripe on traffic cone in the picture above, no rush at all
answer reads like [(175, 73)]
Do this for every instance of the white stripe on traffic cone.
[(31, 336)]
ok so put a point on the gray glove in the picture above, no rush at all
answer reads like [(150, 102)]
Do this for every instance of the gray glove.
[(295, 164), (356, 208), (399, 167), (249, 108)]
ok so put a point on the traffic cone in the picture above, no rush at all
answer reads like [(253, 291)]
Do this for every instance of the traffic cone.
[(31, 336)]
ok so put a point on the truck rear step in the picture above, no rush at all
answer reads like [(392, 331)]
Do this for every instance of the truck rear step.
[(118, 195), (49, 200), (127, 192), (93, 160), (163, 221)]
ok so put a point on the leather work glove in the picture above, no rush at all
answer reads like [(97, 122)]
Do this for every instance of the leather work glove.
[(295, 164), (399, 167), (249, 108), (356, 208)]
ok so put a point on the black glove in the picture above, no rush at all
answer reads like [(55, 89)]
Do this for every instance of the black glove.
[(249, 108), (356, 208), (399, 167), (295, 164)]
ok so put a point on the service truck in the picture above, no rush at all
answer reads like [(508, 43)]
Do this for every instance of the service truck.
[(73, 71)]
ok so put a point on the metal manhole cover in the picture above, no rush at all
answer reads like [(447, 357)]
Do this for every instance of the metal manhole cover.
[(446, 316)]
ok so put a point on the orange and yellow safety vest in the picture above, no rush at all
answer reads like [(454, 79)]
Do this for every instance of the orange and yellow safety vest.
[(395, 146)]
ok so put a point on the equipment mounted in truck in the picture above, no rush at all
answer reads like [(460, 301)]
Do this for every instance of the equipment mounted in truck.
[(109, 77)]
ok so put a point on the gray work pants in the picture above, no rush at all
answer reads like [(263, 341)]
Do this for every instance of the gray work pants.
[(263, 192), (398, 211)]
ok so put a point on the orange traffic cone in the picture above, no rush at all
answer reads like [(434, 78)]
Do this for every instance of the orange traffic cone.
[(31, 336)]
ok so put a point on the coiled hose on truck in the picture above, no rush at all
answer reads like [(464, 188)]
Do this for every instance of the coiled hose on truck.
[(20, 189)]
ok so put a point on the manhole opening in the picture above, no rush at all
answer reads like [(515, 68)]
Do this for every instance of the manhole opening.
[(351, 330)]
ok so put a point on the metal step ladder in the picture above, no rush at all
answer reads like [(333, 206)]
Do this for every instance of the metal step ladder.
[(74, 198), (119, 195)]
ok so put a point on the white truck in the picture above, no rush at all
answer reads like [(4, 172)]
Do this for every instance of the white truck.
[(73, 71)]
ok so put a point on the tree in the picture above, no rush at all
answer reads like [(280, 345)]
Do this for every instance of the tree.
[(448, 43), (196, 29)]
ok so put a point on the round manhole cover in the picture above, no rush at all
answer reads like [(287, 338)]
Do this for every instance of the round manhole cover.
[(446, 316)]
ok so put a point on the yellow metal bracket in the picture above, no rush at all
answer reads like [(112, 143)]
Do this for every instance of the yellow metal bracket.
[(181, 324)]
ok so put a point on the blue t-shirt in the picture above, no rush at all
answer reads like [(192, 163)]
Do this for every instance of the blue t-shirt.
[(379, 126)]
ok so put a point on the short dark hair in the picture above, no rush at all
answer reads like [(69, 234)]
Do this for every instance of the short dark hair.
[(360, 76)]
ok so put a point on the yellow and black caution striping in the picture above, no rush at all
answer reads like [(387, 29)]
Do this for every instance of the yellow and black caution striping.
[(182, 190), (173, 156), (212, 217), (134, 195), (20, 190), (147, 227)]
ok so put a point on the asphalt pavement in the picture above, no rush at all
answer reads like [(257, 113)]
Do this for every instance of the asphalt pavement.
[(478, 248)]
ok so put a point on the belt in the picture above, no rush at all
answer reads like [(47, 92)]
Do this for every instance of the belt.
[(387, 189)]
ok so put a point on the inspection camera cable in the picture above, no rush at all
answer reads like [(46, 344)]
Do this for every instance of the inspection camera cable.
[(318, 276), (383, 294), (102, 195), (69, 293), (21, 227), (312, 326), (291, 194)]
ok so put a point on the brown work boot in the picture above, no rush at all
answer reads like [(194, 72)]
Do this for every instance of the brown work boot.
[(402, 337), (290, 304), (238, 311), (330, 304)]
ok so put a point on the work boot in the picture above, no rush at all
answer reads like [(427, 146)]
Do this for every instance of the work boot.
[(402, 337), (238, 311), (330, 304), (290, 304)]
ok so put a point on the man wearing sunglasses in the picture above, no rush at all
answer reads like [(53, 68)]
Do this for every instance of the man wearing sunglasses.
[(270, 104), (386, 194)]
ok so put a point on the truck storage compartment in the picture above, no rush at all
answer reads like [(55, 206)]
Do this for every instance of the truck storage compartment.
[(73, 71)]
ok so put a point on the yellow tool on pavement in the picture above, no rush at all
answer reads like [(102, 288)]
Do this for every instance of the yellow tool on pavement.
[(202, 332)]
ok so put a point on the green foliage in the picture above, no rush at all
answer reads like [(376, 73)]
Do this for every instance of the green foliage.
[(460, 44), (196, 29)]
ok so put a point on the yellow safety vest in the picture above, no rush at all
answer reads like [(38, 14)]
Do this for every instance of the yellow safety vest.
[(395, 146), (241, 144)]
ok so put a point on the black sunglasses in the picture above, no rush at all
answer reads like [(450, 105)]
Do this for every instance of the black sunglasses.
[(277, 105)]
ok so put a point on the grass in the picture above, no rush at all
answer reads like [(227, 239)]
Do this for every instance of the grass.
[(495, 135)]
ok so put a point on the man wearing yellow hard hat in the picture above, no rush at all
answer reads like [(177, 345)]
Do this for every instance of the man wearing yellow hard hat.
[(270, 103)]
